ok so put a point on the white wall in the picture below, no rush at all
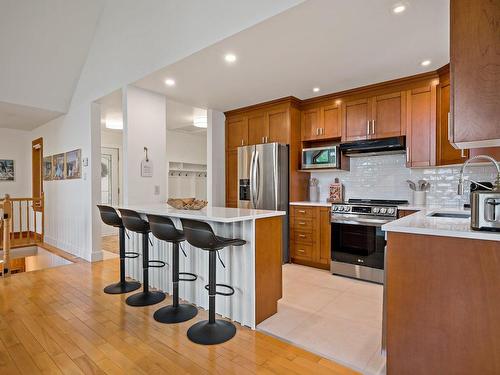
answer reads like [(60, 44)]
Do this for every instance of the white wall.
[(131, 40), (216, 166), (144, 126), (16, 145), (186, 148), (114, 139)]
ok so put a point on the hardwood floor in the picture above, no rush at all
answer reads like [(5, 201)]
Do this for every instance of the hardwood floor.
[(111, 244), (59, 321)]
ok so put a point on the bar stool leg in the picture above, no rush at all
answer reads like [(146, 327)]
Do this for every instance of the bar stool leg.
[(123, 286), (211, 331), (146, 297), (175, 313)]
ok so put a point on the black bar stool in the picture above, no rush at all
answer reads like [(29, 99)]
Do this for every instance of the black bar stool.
[(164, 229), (134, 223), (212, 331), (110, 217)]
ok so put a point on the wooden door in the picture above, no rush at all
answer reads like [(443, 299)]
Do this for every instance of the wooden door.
[(475, 77), (388, 115), (279, 126), (36, 170), (236, 132), (421, 132), (310, 124), (258, 129), (331, 121), (446, 153), (357, 115), (325, 235), (232, 178)]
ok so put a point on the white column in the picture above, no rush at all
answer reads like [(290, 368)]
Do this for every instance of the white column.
[(216, 159)]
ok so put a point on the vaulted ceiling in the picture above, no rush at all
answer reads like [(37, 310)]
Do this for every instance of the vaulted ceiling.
[(43, 47)]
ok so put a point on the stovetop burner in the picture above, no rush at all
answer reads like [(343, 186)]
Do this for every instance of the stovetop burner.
[(392, 202)]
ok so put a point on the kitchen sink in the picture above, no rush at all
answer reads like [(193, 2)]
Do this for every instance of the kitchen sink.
[(451, 215)]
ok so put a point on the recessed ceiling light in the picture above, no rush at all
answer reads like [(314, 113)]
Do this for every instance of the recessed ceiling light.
[(169, 82), (398, 9), (230, 58), (316, 89), (114, 124), (200, 122), (426, 63)]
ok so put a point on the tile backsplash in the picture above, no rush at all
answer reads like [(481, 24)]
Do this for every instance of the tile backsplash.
[(384, 177)]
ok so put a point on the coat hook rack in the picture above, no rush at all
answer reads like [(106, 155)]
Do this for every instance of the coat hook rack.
[(146, 151)]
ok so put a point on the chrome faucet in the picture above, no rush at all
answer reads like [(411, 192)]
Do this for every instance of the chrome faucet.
[(461, 180)]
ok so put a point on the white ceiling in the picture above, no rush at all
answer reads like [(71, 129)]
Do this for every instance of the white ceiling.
[(180, 117), (332, 44), (15, 116), (43, 45)]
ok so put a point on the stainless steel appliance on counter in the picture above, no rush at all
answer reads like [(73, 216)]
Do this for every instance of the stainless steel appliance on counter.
[(263, 181), (485, 203), (358, 242), (321, 157)]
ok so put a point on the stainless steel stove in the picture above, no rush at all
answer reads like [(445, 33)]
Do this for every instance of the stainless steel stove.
[(358, 242)]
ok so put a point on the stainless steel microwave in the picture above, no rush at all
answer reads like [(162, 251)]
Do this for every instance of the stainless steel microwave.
[(321, 157)]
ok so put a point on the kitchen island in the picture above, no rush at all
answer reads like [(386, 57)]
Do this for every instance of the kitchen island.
[(253, 270), (441, 295)]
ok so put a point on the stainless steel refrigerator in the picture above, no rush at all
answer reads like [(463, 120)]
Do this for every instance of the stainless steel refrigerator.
[(263, 181)]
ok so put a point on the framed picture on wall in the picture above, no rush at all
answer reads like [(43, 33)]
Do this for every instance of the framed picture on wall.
[(47, 168), (7, 172), (58, 167), (73, 164)]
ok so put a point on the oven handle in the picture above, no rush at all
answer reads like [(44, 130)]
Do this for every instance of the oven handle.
[(368, 222)]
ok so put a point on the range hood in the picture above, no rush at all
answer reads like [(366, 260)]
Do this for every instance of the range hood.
[(394, 145)]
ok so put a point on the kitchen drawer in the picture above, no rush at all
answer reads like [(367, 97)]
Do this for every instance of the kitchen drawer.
[(304, 212), (300, 250), (303, 224), (303, 236)]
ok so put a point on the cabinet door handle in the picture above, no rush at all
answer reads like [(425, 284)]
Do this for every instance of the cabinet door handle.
[(368, 127), (301, 251), (373, 126), (266, 139), (450, 130), (407, 155), (302, 235), (301, 211), (322, 131), (242, 142), (302, 223), (463, 153), (262, 140)]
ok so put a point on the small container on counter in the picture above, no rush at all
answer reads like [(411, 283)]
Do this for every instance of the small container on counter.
[(314, 190)]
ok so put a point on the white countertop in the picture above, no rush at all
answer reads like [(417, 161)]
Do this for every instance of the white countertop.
[(307, 203), (217, 214), (421, 223)]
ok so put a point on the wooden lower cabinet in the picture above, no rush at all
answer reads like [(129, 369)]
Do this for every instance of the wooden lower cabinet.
[(403, 213), (310, 236)]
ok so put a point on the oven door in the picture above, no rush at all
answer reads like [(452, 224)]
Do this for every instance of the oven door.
[(359, 241)]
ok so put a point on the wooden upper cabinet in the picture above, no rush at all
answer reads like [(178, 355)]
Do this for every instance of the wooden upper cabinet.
[(356, 119), (475, 72), (232, 178), (278, 124), (388, 115), (421, 127), (236, 132), (258, 129), (445, 152), (331, 121), (310, 124)]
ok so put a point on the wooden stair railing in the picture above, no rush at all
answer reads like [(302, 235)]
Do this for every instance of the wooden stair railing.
[(17, 232)]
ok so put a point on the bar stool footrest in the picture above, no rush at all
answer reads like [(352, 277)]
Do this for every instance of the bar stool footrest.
[(156, 264), (192, 278), (207, 287), (131, 255)]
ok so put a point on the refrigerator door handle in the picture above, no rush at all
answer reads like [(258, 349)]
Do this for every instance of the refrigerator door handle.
[(257, 178), (252, 179)]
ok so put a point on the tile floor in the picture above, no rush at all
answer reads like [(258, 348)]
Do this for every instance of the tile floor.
[(336, 317)]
